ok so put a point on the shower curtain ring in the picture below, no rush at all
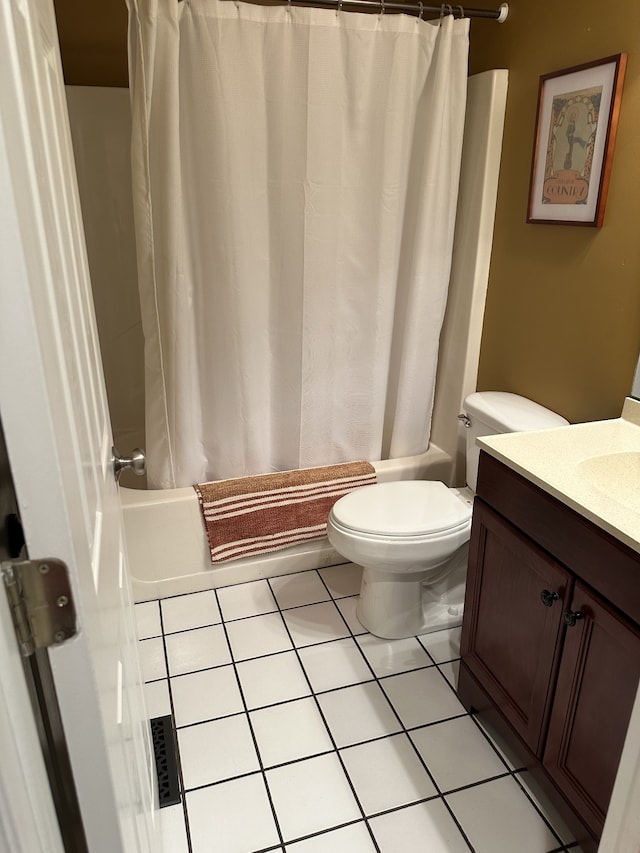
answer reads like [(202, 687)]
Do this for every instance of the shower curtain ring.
[(441, 12), (339, 7), (461, 12), (421, 11), (381, 7)]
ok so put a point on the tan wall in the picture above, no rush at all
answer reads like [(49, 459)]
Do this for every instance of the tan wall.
[(562, 321), (93, 41)]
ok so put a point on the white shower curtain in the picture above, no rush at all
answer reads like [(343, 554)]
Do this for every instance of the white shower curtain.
[(295, 182)]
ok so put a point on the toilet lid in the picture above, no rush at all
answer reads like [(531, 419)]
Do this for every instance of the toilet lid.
[(402, 508)]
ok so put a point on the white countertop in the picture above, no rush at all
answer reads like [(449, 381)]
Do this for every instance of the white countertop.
[(594, 468)]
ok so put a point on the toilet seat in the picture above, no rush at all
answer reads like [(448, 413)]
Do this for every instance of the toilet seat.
[(404, 509)]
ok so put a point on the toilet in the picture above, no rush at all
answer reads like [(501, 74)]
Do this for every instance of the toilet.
[(411, 537)]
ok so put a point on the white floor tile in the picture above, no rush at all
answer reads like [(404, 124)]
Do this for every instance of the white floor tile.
[(218, 816), (152, 660), (354, 838), (156, 695), (475, 759), (246, 599), (546, 807), (498, 818), (272, 679), (358, 713), (451, 670), (199, 649), (421, 697), (173, 830), (147, 615), (315, 623), (387, 773), (211, 752), (259, 635), (388, 657), (335, 664), (511, 758), (190, 611), (206, 695), (424, 827), (290, 731), (298, 589), (342, 580), (311, 795), (347, 606), (442, 645)]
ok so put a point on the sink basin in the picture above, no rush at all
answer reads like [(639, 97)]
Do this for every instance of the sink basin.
[(616, 475)]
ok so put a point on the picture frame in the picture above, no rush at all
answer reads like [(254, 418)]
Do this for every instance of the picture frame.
[(576, 125)]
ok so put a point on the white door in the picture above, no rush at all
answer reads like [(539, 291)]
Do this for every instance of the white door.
[(56, 422)]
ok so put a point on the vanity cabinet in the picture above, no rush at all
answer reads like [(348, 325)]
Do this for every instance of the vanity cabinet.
[(551, 640)]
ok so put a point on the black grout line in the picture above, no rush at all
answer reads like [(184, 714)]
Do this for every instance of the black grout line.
[(247, 710), (329, 732), (524, 790), (512, 773), (216, 783), (495, 747), (509, 772), (413, 746), (266, 613), (175, 736), (515, 773), (424, 764), (253, 734), (191, 630), (326, 831), (241, 583)]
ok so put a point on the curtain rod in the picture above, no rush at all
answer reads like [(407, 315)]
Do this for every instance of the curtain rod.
[(415, 8)]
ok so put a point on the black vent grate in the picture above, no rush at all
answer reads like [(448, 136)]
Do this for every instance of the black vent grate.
[(164, 748)]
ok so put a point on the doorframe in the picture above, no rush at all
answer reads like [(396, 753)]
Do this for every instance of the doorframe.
[(38, 680), (28, 821)]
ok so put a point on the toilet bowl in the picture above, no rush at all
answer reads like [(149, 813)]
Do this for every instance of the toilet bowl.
[(411, 537)]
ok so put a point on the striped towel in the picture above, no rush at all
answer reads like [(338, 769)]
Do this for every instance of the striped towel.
[(255, 515)]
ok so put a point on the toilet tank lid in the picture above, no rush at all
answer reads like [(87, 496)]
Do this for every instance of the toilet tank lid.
[(507, 412)]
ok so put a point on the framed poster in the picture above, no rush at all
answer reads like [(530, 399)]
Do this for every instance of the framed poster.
[(575, 135)]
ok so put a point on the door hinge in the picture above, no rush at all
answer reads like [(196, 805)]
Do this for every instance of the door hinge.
[(41, 602)]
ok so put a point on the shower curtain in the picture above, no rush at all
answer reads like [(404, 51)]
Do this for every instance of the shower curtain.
[(295, 182)]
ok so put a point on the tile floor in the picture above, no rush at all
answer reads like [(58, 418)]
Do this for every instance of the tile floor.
[(298, 731)]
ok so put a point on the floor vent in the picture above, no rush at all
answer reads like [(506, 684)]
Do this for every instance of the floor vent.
[(164, 748)]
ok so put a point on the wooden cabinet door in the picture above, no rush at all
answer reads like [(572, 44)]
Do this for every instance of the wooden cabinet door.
[(510, 639), (596, 688)]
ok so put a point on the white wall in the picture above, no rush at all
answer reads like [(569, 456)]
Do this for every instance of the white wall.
[(462, 329)]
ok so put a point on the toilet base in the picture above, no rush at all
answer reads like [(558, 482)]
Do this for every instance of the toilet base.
[(440, 617), (396, 605)]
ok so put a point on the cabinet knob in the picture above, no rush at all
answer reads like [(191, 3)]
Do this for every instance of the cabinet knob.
[(571, 617), (547, 597)]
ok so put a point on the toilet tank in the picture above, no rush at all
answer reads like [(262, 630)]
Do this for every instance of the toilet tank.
[(497, 412)]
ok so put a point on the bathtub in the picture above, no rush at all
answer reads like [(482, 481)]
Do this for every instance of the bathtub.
[(168, 549)]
